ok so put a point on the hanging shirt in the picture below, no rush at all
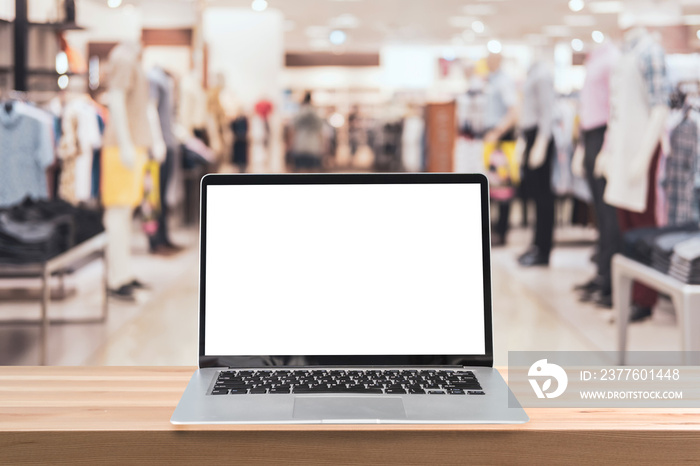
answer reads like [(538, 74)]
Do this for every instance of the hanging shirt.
[(681, 166), (126, 74), (538, 100), (26, 151), (80, 136), (595, 94), (637, 85)]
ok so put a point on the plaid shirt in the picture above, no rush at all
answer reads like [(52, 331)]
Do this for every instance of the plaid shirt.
[(681, 165), (652, 60)]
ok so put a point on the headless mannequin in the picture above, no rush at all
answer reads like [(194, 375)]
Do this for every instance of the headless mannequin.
[(118, 214), (650, 138), (538, 152), (594, 118), (634, 136), (537, 149)]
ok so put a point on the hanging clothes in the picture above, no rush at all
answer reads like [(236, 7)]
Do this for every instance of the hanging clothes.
[(26, 151), (80, 135), (637, 84), (680, 169)]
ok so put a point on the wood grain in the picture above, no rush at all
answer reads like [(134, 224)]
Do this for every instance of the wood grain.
[(118, 415)]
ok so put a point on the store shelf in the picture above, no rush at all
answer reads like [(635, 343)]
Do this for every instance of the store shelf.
[(62, 26), (58, 26)]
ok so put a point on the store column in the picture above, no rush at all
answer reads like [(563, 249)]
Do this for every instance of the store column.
[(247, 47)]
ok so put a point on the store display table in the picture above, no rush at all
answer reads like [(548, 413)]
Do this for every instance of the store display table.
[(97, 245), (685, 298), (121, 415)]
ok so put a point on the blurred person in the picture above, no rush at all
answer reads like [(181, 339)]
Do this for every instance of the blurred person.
[(539, 150), (162, 88), (330, 136), (354, 131), (307, 138), (501, 113), (239, 129), (594, 116)]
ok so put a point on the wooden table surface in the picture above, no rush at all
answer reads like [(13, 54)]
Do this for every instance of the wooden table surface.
[(121, 415)]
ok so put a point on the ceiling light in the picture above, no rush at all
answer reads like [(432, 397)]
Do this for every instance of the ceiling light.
[(494, 46), (337, 37), (577, 45), (259, 5), (698, 34), (598, 37), (576, 5), (602, 8), (478, 27), (63, 81), (114, 3), (61, 63), (337, 120)]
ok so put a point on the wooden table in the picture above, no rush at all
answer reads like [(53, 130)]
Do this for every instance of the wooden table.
[(118, 415)]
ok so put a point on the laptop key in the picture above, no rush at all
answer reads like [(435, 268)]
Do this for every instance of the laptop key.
[(220, 391), (279, 390), (436, 392), (258, 391), (395, 391), (476, 392), (238, 391), (455, 391)]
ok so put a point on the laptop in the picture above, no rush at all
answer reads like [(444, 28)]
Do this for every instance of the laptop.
[(345, 299)]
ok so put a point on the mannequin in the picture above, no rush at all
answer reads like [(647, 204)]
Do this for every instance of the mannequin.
[(538, 151), (629, 161), (162, 90), (133, 129), (594, 114)]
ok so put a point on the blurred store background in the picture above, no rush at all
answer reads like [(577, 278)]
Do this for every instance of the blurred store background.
[(583, 113)]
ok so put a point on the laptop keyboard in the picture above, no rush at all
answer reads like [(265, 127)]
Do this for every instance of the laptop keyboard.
[(389, 382)]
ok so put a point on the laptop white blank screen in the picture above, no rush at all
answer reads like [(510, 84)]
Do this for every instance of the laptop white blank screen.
[(392, 269)]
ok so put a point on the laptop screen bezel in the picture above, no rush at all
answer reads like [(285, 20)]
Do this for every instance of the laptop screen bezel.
[(246, 361)]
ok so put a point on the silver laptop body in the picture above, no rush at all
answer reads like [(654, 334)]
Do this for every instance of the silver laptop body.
[(375, 288)]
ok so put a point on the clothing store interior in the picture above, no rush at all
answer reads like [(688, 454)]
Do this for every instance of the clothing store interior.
[(583, 114)]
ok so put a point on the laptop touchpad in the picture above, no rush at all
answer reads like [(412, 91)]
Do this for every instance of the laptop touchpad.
[(348, 407)]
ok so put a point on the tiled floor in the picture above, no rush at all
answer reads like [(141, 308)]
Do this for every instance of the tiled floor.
[(534, 309)]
